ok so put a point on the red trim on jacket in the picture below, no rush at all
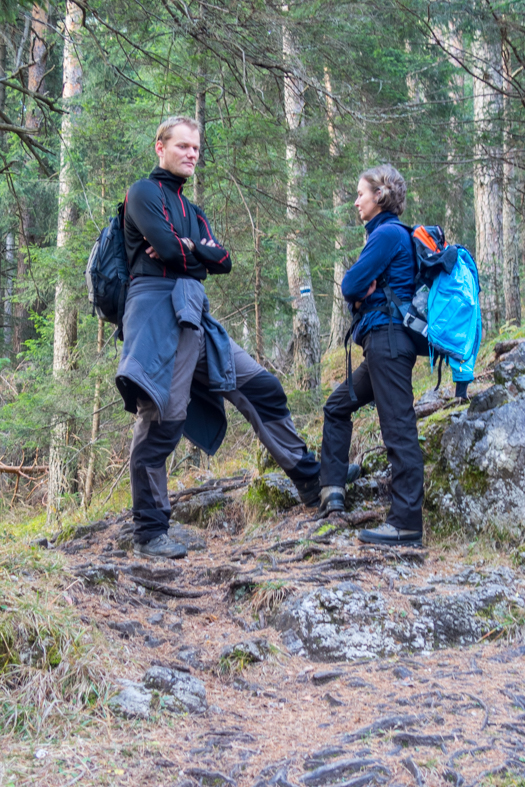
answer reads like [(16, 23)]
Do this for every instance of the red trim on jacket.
[(166, 216), (181, 202)]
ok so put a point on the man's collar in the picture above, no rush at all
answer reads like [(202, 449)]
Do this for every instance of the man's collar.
[(165, 176)]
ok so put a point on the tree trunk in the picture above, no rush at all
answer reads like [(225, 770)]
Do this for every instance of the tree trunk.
[(65, 311), (259, 347), (306, 326), (35, 82), (511, 270), (200, 117), (454, 211), (95, 424), (340, 319), (488, 177), (194, 458)]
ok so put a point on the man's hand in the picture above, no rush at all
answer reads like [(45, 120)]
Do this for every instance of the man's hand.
[(371, 289), (150, 251), (189, 243)]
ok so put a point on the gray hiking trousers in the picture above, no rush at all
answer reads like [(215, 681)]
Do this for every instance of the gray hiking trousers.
[(259, 396)]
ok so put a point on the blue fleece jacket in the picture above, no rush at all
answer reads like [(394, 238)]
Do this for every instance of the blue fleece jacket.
[(388, 251)]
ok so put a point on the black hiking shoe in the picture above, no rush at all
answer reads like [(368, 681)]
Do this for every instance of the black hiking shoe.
[(354, 471), (160, 548), (390, 535), (309, 491), (332, 499)]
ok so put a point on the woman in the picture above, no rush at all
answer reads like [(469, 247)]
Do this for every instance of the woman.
[(385, 375)]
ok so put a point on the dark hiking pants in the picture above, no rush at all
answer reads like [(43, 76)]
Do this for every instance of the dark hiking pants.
[(388, 382), (259, 396)]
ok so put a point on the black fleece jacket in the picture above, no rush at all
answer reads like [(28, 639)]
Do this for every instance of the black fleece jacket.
[(156, 209)]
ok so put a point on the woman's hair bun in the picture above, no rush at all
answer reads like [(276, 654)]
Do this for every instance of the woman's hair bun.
[(391, 186)]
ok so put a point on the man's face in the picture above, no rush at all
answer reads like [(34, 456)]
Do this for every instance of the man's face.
[(179, 154)]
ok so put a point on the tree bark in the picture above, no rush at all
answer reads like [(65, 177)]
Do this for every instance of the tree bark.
[(488, 177), (454, 211), (95, 424), (259, 347), (306, 326), (200, 117), (65, 311), (35, 82), (339, 322), (511, 270)]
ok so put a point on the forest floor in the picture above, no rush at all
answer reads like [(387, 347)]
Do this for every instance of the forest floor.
[(453, 715)]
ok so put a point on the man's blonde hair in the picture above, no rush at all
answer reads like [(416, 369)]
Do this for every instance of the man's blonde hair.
[(164, 131)]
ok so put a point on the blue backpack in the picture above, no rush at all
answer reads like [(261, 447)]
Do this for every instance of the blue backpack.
[(445, 309), (454, 317), (107, 273), (444, 316)]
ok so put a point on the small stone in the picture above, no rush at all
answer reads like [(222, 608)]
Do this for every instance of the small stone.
[(188, 693), (188, 537), (134, 701), (153, 642), (401, 672), (157, 619), (254, 650), (325, 676), (218, 575), (333, 701), (127, 628), (96, 575)]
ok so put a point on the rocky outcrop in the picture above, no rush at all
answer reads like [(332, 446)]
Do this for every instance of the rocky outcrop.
[(478, 477), (346, 622)]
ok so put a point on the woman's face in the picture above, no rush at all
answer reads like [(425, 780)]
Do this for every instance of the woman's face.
[(365, 203)]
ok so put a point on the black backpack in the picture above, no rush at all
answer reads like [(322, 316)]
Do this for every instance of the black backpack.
[(107, 273)]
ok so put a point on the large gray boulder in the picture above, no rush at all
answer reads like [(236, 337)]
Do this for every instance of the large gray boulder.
[(477, 476), (346, 623)]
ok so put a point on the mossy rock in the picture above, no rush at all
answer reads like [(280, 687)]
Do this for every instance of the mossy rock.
[(265, 461), (374, 462), (273, 490)]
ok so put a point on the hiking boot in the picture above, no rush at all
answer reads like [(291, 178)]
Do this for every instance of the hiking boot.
[(309, 491), (354, 471), (160, 548), (388, 534), (332, 499)]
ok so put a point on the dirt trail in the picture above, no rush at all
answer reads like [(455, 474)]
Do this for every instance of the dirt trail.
[(412, 717)]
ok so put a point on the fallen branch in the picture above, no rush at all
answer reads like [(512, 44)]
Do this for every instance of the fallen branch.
[(216, 485), (159, 587), (23, 470)]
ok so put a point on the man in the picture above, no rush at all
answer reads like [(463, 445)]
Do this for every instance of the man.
[(177, 361)]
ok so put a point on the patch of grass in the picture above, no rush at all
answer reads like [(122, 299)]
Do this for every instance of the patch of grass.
[(269, 595), (51, 666), (235, 662), (505, 780)]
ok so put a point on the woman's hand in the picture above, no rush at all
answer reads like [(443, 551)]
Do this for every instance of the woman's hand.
[(371, 290)]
